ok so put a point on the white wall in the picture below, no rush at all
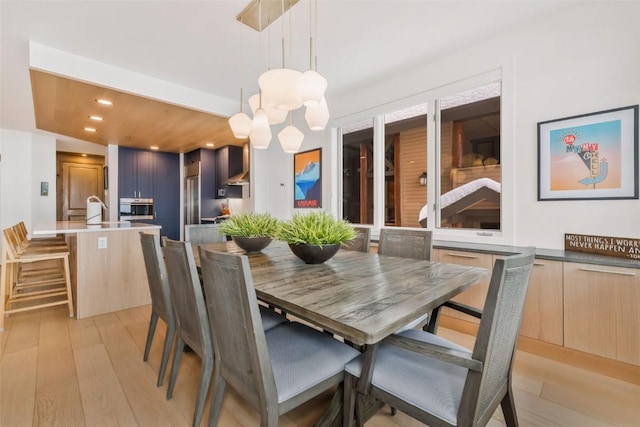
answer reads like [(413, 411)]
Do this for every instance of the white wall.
[(272, 171), (584, 59), (27, 160)]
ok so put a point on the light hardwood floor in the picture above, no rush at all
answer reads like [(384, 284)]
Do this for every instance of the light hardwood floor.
[(68, 372)]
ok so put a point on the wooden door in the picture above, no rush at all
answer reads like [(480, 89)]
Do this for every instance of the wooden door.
[(79, 181)]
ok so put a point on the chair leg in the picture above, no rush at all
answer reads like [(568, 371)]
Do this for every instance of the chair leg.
[(152, 330), (509, 408), (203, 389), (349, 400), (168, 342), (216, 403), (360, 407), (67, 278), (177, 355)]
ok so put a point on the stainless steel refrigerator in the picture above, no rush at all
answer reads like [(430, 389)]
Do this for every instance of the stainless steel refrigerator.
[(192, 193)]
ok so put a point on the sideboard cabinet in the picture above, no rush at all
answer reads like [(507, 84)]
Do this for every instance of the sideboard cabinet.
[(602, 311), (587, 307)]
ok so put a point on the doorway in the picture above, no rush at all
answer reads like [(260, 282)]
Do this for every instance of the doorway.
[(78, 177)]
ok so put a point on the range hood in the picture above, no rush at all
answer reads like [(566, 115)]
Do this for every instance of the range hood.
[(240, 179), (243, 177)]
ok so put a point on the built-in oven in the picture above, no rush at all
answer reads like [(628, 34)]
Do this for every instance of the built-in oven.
[(136, 209)]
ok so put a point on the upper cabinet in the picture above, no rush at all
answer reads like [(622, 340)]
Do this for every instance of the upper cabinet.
[(229, 162), (135, 173)]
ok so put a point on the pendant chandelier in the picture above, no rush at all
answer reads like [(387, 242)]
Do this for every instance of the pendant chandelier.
[(281, 90)]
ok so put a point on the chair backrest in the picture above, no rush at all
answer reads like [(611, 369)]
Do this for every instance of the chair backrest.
[(186, 296), (157, 276), (21, 231), (11, 247), (239, 340), (497, 336), (362, 241), (414, 243), (203, 233)]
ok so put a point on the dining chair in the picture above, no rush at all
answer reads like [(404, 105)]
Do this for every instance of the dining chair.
[(407, 243), (276, 370), (362, 241), (203, 233), (192, 325), (160, 298), (440, 383)]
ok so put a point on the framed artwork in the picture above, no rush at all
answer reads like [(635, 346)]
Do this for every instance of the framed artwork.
[(591, 156), (307, 179)]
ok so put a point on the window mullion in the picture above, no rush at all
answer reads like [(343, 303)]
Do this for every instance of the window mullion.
[(378, 172)]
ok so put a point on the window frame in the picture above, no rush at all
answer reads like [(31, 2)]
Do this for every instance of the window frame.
[(432, 98)]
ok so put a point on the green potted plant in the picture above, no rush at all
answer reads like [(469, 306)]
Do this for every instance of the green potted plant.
[(315, 237), (251, 231)]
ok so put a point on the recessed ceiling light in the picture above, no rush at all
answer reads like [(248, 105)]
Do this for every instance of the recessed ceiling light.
[(104, 102), (88, 129), (153, 147), (83, 155), (210, 144), (96, 118)]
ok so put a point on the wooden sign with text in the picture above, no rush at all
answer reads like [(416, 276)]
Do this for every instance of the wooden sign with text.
[(620, 247)]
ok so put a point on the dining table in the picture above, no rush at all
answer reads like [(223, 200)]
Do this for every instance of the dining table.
[(361, 297)]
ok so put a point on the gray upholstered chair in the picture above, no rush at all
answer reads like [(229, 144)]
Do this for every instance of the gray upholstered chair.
[(192, 325), (160, 298), (440, 383), (276, 370), (405, 243), (361, 243), (203, 233)]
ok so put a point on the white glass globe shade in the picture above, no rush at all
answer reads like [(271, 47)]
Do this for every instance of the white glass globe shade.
[(317, 116), (260, 135), (254, 103), (311, 87), (240, 125), (274, 115), (290, 139), (280, 88)]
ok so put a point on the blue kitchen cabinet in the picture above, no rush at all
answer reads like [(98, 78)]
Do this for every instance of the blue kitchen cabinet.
[(166, 193), (156, 175), (135, 173), (228, 164)]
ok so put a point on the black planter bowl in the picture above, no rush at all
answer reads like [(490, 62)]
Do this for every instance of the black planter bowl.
[(252, 244), (314, 254)]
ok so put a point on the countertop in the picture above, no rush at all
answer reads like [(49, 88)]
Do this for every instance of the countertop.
[(541, 253), (82, 227)]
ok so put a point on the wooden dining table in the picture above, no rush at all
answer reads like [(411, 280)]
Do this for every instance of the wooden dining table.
[(361, 297)]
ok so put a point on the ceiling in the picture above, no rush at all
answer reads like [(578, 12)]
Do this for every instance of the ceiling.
[(196, 45)]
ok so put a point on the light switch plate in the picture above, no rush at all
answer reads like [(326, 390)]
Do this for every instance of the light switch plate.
[(102, 243)]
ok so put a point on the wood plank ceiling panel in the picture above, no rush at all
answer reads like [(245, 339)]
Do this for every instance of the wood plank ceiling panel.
[(63, 106)]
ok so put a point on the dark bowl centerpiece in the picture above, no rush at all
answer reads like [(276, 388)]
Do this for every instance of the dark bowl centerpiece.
[(251, 231), (315, 237)]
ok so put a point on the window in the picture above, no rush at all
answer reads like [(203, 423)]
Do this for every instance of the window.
[(458, 189), (470, 172), (357, 172)]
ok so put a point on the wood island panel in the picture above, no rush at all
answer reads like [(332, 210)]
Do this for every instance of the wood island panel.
[(110, 279)]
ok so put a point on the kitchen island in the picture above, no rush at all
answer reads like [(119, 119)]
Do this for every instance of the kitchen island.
[(107, 266)]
